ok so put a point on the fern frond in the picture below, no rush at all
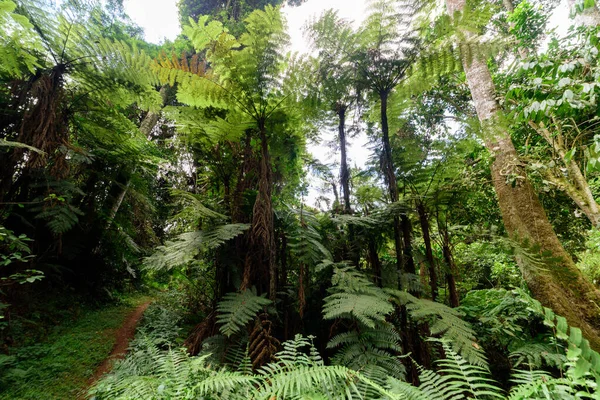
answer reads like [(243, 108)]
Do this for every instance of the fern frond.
[(369, 310), (445, 322), (536, 354), (188, 245), (467, 378), (237, 309)]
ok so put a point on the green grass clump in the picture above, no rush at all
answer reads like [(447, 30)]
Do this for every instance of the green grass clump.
[(60, 367)]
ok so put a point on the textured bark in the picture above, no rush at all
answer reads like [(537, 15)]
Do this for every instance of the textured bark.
[(589, 17), (387, 164), (560, 286), (424, 221), (260, 266)]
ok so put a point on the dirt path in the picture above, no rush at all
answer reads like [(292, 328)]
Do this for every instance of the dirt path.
[(123, 335)]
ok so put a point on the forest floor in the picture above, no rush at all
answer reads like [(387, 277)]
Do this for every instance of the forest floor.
[(122, 336), (75, 355)]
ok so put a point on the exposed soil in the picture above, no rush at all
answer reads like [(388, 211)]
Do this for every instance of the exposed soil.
[(123, 336)]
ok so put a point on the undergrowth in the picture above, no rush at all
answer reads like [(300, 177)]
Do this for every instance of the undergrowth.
[(60, 366)]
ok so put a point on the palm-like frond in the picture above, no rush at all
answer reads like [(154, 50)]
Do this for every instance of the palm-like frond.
[(188, 245), (237, 309)]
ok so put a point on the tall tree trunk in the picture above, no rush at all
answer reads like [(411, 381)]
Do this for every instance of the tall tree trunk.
[(374, 261), (260, 266), (408, 263), (560, 286), (449, 260), (588, 17), (390, 175), (344, 173), (424, 220), (244, 180)]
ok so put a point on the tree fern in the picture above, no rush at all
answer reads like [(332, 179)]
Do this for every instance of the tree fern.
[(537, 354), (237, 309), (18, 43), (188, 245), (456, 379), (445, 322)]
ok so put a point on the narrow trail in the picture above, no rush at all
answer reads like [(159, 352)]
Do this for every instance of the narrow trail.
[(123, 336)]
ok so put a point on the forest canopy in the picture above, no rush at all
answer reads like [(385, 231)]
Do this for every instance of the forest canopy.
[(462, 260)]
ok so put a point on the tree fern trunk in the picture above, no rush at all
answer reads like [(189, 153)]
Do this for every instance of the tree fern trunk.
[(390, 175), (561, 286), (344, 173), (260, 265), (453, 298), (424, 220)]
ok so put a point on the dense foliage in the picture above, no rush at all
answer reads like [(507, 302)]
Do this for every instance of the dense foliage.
[(461, 261)]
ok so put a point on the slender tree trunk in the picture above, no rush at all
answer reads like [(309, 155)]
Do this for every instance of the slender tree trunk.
[(424, 220), (560, 286), (408, 261), (374, 261), (451, 267), (578, 188), (117, 205), (260, 266), (390, 176), (344, 173), (589, 17)]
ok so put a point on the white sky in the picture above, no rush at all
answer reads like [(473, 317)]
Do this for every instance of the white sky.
[(160, 20)]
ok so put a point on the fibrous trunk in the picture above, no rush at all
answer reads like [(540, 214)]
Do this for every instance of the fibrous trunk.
[(560, 285), (260, 266)]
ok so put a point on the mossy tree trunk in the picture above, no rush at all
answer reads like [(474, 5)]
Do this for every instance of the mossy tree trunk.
[(560, 285)]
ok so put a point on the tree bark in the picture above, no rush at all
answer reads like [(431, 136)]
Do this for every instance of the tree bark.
[(560, 286), (260, 266), (390, 177), (424, 220), (344, 173)]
